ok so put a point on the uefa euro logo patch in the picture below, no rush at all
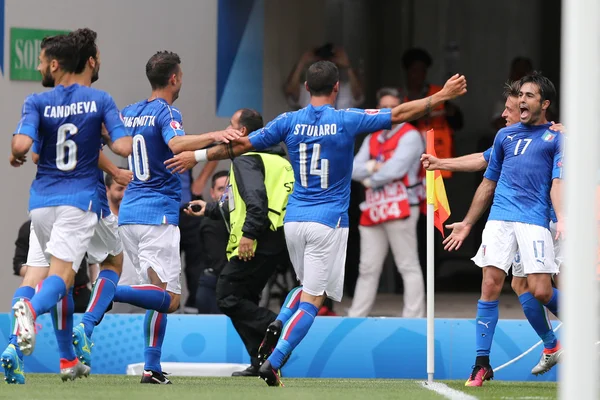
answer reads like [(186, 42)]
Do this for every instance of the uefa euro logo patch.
[(548, 136)]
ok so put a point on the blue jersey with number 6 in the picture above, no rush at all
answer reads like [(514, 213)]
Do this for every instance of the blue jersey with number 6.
[(154, 195), (524, 161), (65, 124), (320, 142)]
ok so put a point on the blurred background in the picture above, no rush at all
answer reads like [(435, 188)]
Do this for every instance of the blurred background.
[(253, 53)]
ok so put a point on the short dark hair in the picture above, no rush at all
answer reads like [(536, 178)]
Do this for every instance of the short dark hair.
[(251, 119), (217, 175), (160, 67), (511, 89), (545, 85), (321, 77), (415, 54), (109, 180), (86, 41), (387, 91), (62, 48)]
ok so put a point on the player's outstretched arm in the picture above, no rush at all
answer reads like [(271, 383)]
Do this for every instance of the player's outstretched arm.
[(460, 230), (195, 142), (187, 160), (469, 163), (412, 110)]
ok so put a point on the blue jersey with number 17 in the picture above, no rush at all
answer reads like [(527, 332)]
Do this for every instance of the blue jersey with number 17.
[(65, 124), (320, 142), (154, 195), (524, 161)]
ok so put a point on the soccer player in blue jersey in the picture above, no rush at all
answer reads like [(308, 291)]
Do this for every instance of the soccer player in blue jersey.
[(320, 141), (533, 310), (523, 178), (149, 212), (67, 122)]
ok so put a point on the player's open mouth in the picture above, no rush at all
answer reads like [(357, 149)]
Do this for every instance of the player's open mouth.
[(524, 112)]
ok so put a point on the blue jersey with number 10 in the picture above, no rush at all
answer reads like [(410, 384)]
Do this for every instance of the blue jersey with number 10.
[(65, 124), (154, 195), (320, 142)]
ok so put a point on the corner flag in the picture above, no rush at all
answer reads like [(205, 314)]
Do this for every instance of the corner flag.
[(436, 192)]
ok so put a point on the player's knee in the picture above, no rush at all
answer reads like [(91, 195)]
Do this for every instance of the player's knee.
[(491, 288), (542, 293), (519, 285), (113, 263), (174, 303)]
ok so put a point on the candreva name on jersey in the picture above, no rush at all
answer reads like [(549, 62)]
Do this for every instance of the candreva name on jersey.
[(315, 130), (134, 122), (81, 107)]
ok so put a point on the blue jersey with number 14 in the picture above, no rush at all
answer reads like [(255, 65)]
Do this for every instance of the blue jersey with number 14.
[(320, 142), (154, 195), (66, 125)]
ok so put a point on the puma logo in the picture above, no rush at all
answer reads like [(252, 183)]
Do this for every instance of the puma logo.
[(486, 324), (510, 137)]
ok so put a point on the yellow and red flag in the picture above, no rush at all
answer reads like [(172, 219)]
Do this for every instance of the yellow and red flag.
[(436, 192)]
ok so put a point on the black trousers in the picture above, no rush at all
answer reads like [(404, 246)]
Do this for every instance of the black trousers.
[(189, 228), (238, 291), (206, 296)]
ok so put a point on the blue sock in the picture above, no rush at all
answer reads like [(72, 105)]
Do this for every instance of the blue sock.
[(552, 305), (103, 294), (293, 333), (149, 297), (536, 315), (52, 289), (485, 326), (155, 325), (62, 320), (290, 305), (24, 292)]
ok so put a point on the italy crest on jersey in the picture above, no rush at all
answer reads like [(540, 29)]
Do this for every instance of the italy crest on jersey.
[(548, 136)]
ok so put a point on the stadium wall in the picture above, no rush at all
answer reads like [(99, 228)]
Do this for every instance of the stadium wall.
[(335, 347), (127, 36)]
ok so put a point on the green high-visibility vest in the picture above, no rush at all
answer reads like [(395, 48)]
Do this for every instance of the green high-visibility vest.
[(279, 182)]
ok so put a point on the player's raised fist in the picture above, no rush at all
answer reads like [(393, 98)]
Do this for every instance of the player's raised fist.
[(430, 163), (455, 86), (123, 177), (17, 162)]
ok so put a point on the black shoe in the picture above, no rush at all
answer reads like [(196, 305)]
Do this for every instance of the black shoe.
[(250, 371), (269, 375), (269, 341), (158, 378)]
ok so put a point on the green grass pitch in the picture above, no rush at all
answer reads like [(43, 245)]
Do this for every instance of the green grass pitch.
[(117, 387)]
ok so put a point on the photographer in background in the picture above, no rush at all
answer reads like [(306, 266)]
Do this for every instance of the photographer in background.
[(351, 92)]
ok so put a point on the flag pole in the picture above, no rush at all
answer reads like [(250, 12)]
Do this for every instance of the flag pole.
[(430, 267)]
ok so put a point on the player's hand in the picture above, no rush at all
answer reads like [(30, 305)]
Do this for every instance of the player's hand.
[(246, 248), (455, 86), (430, 163), (558, 127), (17, 161), (188, 210), (226, 136), (560, 230), (340, 58), (182, 162), (460, 231), (123, 177)]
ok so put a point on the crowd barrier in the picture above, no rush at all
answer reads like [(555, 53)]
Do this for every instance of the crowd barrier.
[(335, 347)]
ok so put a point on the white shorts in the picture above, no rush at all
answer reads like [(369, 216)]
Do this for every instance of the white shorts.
[(504, 243), (558, 254), (156, 247), (318, 254), (106, 240), (35, 255), (64, 232)]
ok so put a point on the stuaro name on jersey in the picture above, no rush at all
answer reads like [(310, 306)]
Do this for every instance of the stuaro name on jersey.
[(62, 111), (315, 130), (144, 120)]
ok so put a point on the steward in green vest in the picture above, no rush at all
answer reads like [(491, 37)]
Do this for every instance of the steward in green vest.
[(253, 207)]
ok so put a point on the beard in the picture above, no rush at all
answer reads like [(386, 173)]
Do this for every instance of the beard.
[(47, 79), (95, 75)]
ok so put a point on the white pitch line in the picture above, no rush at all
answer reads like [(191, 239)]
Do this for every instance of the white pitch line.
[(446, 391)]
